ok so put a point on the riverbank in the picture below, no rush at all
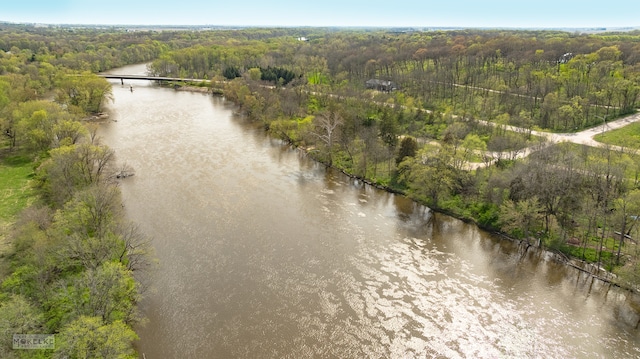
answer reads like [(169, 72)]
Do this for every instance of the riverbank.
[(481, 213), (590, 268)]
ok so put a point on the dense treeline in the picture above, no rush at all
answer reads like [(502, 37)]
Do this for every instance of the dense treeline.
[(551, 80), (73, 264), (427, 139)]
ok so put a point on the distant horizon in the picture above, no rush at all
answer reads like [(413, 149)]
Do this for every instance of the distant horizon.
[(364, 27), (489, 14)]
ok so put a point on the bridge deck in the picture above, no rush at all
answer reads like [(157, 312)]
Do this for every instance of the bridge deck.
[(151, 78)]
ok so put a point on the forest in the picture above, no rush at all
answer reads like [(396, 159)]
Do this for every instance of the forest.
[(456, 131)]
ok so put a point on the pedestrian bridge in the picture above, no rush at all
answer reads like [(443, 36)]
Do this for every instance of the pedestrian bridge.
[(151, 78)]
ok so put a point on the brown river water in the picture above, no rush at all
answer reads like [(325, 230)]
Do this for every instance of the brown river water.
[(263, 253)]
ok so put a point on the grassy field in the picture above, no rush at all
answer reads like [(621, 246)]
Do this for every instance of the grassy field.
[(628, 136), (15, 190)]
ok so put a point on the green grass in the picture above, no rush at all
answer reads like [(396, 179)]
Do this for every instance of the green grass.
[(15, 190), (590, 254), (627, 136)]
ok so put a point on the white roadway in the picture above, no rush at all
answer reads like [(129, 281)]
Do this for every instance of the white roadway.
[(586, 137), (582, 138)]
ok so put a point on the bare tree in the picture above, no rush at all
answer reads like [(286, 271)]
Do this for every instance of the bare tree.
[(327, 124)]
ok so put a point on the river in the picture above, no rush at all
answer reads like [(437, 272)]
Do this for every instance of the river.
[(263, 253)]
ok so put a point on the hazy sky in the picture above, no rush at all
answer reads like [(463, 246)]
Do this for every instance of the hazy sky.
[(425, 13)]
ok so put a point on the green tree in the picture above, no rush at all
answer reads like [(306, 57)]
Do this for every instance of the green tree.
[(231, 72), (83, 94), (17, 316), (408, 148), (6, 125), (68, 132), (388, 128), (254, 74), (471, 144), (90, 338), (108, 292), (627, 210), (35, 122), (521, 217), (429, 175), (38, 130), (73, 167)]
